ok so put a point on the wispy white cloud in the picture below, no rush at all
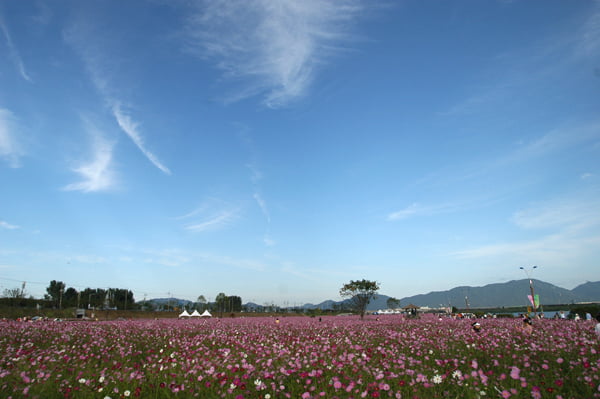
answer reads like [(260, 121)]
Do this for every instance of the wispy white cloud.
[(168, 258), (44, 14), (231, 261), (97, 174), (572, 213), (8, 226), (551, 249), (216, 222), (291, 268), (274, 46), (256, 174), (571, 227), (193, 213), (93, 54), (14, 52), (573, 45), (178, 258), (10, 150), (268, 241), (212, 214), (407, 212), (130, 127), (88, 259), (263, 206), (559, 139), (417, 209), (588, 40)]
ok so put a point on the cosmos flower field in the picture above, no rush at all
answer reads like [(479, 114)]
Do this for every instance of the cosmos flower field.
[(299, 357)]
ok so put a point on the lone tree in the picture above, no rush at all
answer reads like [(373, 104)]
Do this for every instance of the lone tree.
[(360, 293), (55, 291), (202, 301), (221, 301), (393, 303)]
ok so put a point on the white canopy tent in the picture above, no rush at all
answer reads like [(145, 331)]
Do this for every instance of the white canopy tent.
[(184, 314), (206, 314), (195, 313)]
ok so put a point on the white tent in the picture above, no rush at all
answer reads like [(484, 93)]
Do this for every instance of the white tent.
[(184, 314), (206, 314), (195, 313)]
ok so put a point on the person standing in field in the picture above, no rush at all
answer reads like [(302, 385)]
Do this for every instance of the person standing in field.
[(597, 329), (527, 326)]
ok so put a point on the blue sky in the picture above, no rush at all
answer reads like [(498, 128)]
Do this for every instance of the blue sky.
[(277, 150)]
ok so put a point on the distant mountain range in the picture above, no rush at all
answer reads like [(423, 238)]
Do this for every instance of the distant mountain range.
[(512, 293)]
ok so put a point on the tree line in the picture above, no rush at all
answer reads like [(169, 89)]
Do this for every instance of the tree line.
[(92, 298), (358, 294)]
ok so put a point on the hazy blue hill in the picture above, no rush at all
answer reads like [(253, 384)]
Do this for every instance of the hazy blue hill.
[(252, 306), (380, 302), (171, 301), (325, 305), (512, 293), (587, 292)]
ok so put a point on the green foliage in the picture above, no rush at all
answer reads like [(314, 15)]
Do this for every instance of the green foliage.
[(55, 291), (393, 303), (93, 298), (201, 303), (225, 303), (235, 303), (359, 293), (581, 310), (120, 298), (70, 297)]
